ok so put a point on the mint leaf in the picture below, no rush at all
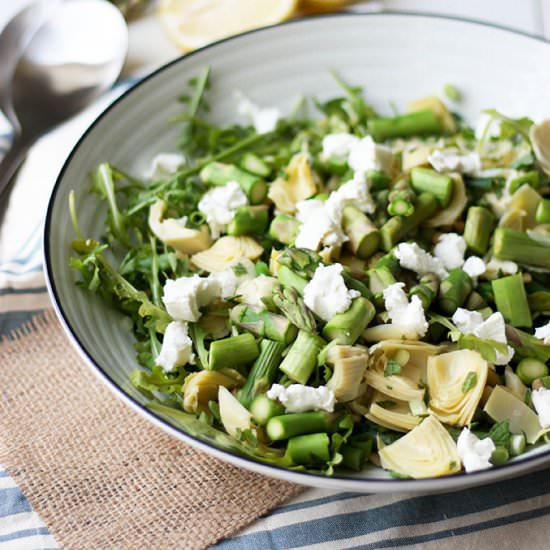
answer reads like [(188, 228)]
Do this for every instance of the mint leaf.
[(469, 382), (392, 367)]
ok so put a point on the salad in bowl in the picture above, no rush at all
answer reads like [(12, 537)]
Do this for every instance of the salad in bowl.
[(333, 288)]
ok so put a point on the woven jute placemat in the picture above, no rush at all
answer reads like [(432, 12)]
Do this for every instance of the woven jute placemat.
[(97, 473)]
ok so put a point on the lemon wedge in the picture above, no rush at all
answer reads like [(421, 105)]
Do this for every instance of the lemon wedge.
[(195, 23)]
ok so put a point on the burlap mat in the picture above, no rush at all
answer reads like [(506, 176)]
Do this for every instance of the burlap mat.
[(98, 474)]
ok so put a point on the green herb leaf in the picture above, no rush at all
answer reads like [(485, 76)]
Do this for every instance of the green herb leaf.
[(488, 349), (397, 475), (392, 367), (239, 269), (469, 382), (387, 404), (500, 433)]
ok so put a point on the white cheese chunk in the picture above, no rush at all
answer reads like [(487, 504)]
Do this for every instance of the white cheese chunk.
[(541, 402), (254, 291), (298, 398), (317, 227), (219, 205), (474, 266), (264, 119), (164, 165), (326, 294), (184, 296), (412, 257), (354, 192), (492, 328), (474, 453), (177, 347), (338, 145), (367, 155), (409, 316), (451, 160), (494, 267), (543, 333), (450, 249), (229, 280)]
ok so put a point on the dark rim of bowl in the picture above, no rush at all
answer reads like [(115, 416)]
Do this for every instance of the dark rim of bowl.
[(433, 483)]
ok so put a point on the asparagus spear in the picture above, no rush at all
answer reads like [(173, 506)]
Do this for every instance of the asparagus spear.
[(309, 449), (255, 165), (363, 235), (300, 361), (426, 289), (249, 220), (288, 278), (511, 300), (292, 306), (232, 352), (475, 301), (286, 426), (262, 409), (410, 124), (346, 327), (353, 457), (529, 369), (517, 246), (542, 214), (396, 228), (377, 180), (217, 173), (264, 323), (284, 229), (539, 301), (426, 179), (478, 227), (379, 279), (454, 290), (263, 371), (530, 178)]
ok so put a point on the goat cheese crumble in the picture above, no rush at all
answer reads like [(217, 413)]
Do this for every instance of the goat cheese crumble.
[(450, 249), (451, 160), (164, 165), (264, 119), (474, 266), (219, 205), (474, 453), (184, 296), (541, 402), (543, 333), (412, 257), (253, 292), (177, 347), (298, 398), (230, 279), (317, 226), (407, 315), (492, 328), (326, 294)]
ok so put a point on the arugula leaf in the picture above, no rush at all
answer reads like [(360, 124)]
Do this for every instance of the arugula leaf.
[(158, 380), (488, 349), (500, 433), (392, 367), (469, 382), (511, 126)]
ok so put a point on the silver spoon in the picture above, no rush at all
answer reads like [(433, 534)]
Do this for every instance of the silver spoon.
[(73, 57)]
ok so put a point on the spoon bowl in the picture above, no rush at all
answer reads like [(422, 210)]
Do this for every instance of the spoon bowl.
[(72, 58)]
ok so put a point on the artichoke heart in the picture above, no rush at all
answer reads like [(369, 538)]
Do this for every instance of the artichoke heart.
[(201, 387), (447, 373), (174, 233), (408, 385), (426, 451), (349, 364), (233, 415), (300, 184), (393, 414), (411, 158), (540, 140), (225, 252), (504, 405), (454, 209), (526, 200)]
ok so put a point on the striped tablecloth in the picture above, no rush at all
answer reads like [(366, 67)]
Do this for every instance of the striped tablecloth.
[(509, 514)]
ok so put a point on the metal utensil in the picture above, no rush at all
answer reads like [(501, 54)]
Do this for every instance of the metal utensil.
[(75, 55)]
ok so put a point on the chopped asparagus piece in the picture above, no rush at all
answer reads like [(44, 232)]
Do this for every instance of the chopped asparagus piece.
[(478, 227), (511, 300)]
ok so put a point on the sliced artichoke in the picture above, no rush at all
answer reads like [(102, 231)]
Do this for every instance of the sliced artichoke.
[(235, 418), (350, 363), (393, 414), (514, 384), (300, 184), (447, 374), (452, 212), (380, 333), (426, 451), (174, 233), (540, 141), (525, 199), (227, 251), (411, 158), (435, 104), (513, 219), (504, 405), (201, 387)]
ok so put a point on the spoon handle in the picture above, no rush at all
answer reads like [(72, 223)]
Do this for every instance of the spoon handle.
[(12, 161)]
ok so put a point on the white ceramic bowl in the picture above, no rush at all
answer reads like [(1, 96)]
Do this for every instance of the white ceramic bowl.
[(395, 57)]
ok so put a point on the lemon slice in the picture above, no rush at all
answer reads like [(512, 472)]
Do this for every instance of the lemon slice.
[(194, 23)]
